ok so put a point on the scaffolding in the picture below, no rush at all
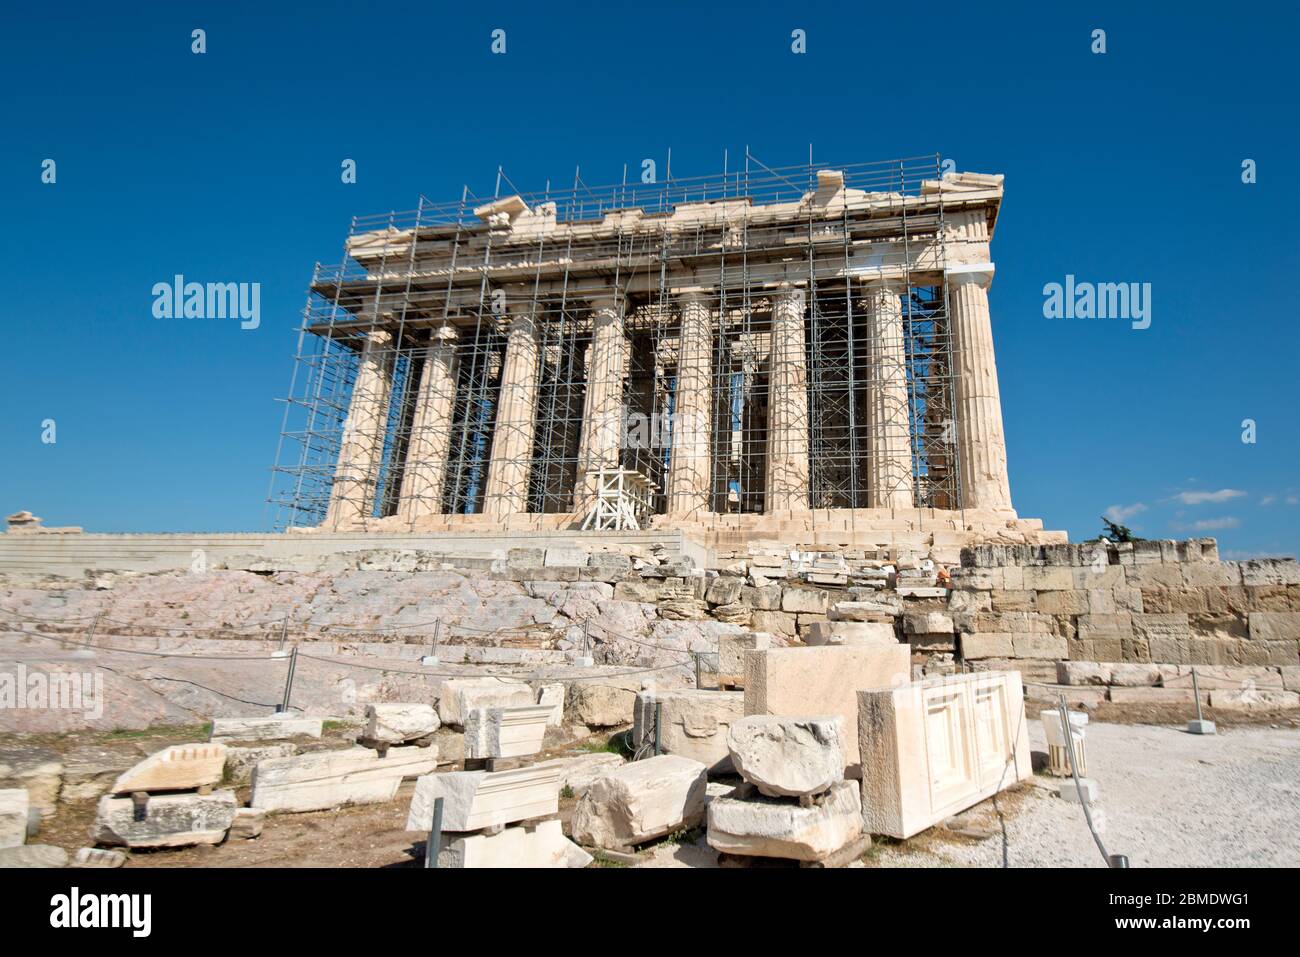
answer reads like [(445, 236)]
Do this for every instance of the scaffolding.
[(491, 356)]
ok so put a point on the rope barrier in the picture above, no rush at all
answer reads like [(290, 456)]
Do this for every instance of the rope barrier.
[(335, 661)]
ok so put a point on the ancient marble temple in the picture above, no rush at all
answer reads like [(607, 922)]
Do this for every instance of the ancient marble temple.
[(809, 348)]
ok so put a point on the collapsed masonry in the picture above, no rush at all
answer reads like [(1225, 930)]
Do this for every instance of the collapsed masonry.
[(793, 353)]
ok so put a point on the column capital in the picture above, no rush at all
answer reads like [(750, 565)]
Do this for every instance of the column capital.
[(608, 302), (524, 304), (877, 284), (688, 294), (444, 335), (789, 292), (387, 309), (377, 338), (521, 318), (979, 273)]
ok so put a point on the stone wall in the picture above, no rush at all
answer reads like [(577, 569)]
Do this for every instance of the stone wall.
[(51, 553), (1146, 602)]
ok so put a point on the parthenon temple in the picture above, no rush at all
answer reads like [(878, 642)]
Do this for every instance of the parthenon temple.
[(802, 353)]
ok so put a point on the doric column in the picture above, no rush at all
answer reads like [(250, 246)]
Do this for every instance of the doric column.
[(356, 475), (506, 490), (602, 406), (787, 407), (689, 479), (426, 451), (981, 444), (889, 437)]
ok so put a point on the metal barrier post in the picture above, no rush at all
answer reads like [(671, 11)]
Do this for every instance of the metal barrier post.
[(288, 681), (435, 836)]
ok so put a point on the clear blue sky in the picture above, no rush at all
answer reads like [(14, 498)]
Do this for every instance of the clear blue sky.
[(225, 167)]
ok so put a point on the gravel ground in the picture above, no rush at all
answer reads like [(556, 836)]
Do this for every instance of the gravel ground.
[(1168, 799)]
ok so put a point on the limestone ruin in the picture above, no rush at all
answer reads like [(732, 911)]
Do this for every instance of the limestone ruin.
[(734, 359), (618, 520)]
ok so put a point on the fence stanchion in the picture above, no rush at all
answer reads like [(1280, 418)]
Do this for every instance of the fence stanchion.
[(284, 637), (1118, 861), (586, 661), (435, 836), (88, 651), (1200, 725), (431, 658), (288, 681)]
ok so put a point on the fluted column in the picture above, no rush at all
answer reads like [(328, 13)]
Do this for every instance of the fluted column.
[(356, 474), (425, 474), (787, 415), (602, 413), (889, 437), (506, 490), (689, 479), (981, 444)]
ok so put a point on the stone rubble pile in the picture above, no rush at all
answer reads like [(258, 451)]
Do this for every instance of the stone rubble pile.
[(795, 803), (168, 800), (493, 818)]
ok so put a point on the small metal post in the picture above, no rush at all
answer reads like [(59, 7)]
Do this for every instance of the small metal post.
[(1112, 860), (88, 651), (435, 836), (436, 642), (696, 656), (1200, 725), (586, 660), (284, 631), (288, 681)]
